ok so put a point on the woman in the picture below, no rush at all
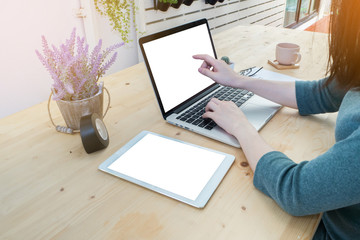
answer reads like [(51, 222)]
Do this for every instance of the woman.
[(329, 183)]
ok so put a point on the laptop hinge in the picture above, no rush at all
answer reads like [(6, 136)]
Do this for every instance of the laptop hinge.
[(195, 99)]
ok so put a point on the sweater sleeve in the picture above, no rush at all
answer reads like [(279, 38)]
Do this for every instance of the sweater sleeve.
[(313, 97), (328, 182)]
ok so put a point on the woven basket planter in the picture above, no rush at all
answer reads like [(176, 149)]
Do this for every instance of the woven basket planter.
[(72, 111)]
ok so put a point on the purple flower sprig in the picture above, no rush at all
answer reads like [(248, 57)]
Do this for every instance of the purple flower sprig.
[(74, 71)]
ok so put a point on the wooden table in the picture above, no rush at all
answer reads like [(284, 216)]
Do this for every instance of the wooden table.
[(50, 188)]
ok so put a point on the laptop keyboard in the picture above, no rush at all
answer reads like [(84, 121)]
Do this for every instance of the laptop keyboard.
[(193, 114)]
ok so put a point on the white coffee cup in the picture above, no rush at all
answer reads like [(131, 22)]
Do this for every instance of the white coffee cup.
[(287, 53)]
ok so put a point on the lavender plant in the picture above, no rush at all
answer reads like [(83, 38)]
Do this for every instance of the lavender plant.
[(76, 72)]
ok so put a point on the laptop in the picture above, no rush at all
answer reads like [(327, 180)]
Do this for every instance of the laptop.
[(182, 92)]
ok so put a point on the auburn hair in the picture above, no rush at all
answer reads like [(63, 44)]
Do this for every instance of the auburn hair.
[(344, 44)]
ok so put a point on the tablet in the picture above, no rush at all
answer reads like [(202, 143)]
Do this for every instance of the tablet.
[(177, 169)]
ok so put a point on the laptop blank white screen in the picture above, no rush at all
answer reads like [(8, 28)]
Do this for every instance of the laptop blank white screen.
[(174, 70)]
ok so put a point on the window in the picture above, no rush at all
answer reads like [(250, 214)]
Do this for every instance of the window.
[(299, 11)]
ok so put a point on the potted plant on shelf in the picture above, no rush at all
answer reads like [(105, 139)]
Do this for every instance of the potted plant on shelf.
[(119, 14), (212, 2), (76, 72), (188, 2), (227, 60), (178, 4), (163, 5)]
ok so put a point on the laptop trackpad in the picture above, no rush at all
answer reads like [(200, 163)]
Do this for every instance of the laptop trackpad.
[(260, 113)]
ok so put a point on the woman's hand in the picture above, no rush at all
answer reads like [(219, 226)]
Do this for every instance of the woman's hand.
[(230, 118), (217, 70), (226, 114), (282, 92)]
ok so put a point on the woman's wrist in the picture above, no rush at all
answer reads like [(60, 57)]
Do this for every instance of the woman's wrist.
[(241, 129), (242, 82), (252, 144)]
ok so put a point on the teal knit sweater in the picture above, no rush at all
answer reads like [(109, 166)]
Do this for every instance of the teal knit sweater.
[(329, 183)]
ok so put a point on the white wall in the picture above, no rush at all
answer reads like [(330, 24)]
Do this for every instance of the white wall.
[(24, 81), (128, 54)]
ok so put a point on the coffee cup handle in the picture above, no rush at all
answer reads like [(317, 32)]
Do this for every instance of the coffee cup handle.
[(298, 58)]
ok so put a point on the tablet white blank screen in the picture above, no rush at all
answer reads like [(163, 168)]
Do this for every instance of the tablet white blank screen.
[(173, 166)]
